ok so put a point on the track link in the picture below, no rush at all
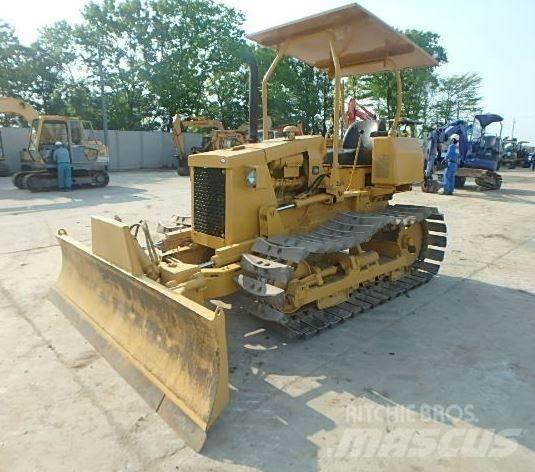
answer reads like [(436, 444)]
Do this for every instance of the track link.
[(309, 321), (42, 181), (5, 171), (489, 181)]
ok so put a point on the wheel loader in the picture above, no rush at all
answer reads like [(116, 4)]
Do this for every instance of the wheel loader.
[(89, 157), (311, 243)]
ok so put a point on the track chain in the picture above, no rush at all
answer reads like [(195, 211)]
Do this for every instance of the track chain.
[(489, 181), (346, 229), (309, 321)]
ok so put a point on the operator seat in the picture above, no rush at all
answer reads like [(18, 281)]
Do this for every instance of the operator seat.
[(490, 142), (365, 130)]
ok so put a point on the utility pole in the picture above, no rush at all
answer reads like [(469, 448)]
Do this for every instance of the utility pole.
[(513, 130), (103, 100)]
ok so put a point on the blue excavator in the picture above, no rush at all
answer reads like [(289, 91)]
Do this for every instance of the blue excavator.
[(481, 153)]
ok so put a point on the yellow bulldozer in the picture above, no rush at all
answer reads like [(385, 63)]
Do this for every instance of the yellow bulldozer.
[(310, 234), (89, 156)]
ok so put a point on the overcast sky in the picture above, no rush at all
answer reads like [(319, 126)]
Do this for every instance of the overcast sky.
[(492, 37)]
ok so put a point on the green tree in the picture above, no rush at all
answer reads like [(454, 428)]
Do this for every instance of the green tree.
[(50, 64), (43, 73), (457, 98), (110, 37), (14, 80), (203, 71), (297, 92), (164, 57), (418, 84), (228, 96)]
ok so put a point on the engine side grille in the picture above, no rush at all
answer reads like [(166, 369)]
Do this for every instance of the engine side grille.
[(209, 201)]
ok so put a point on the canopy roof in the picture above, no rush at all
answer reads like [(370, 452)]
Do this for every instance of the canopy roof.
[(488, 118), (363, 42)]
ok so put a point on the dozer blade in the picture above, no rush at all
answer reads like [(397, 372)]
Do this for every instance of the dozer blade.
[(172, 350)]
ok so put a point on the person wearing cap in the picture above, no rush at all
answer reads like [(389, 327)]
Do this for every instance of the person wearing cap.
[(452, 162), (63, 161)]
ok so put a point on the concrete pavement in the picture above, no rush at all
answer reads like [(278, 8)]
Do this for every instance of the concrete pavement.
[(463, 344)]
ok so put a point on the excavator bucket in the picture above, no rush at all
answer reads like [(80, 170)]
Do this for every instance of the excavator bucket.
[(172, 350)]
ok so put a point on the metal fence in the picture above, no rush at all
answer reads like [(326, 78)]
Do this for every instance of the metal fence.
[(129, 150), (13, 140)]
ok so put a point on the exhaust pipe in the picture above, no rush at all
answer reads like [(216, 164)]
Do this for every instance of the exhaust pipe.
[(250, 60)]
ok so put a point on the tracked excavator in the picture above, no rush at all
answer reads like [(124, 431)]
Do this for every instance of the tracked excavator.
[(89, 156), (218, 138), (515, 153), (312, 239), (480, 152)]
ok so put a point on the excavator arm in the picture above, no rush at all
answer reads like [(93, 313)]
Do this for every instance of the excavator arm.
[(15, 106), (178, 135), (179, 127)]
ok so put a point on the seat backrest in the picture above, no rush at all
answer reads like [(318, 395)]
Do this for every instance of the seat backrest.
[(490, 141), (352, 135)]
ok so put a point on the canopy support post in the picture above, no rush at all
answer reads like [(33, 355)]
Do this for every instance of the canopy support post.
[(399, 105), (335, 173), (268, 74)]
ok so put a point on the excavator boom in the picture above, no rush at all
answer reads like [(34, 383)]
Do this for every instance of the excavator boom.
[(15, 106)]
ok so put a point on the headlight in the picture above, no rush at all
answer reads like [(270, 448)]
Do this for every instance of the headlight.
[(250, 178)]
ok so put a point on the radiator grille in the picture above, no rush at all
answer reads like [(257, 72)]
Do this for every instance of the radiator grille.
[(209, 201)]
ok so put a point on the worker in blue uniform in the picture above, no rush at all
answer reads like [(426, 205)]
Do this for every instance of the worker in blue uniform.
[(452, 163), (63, 161)]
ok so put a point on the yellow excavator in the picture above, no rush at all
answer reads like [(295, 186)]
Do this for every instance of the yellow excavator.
[(218, 138), (311, 235), (89, 156)]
